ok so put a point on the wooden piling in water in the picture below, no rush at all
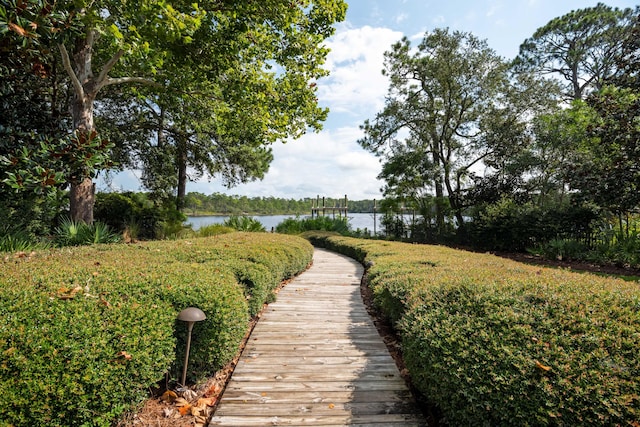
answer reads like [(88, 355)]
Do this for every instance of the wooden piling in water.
[(316, 209)]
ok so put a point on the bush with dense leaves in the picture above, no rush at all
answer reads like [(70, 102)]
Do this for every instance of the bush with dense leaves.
[(495, 342), (509, 226), (319, 223), (85, 332)]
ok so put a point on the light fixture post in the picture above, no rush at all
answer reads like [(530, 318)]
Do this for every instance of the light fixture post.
[(189, 315)]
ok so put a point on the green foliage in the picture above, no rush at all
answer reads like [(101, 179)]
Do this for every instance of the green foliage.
[(237, 106), (563, 249), (509, 226), (218, 203), (15, 240), (143, 217), (580, 47), (319, 223), (495, 342), (603, 169), (75, 233), (244, 223), (117, 210), (214, 230), (84, 341), (454, 103)]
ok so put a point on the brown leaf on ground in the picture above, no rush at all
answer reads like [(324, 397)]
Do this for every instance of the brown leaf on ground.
[(169, 396)]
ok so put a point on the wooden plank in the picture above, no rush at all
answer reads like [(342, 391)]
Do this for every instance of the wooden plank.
[(317, 396), (324, 386), (404, 420), (315, 358), (317, 408)]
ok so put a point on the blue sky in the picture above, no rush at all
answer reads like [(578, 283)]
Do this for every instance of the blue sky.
[(331, 163)]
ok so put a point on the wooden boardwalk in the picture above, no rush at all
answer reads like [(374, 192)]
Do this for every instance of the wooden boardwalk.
[(315, 358)]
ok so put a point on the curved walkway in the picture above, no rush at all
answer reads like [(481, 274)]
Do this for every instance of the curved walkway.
[(315, 358)]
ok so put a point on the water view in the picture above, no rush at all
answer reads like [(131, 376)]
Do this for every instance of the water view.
[(356, 220)]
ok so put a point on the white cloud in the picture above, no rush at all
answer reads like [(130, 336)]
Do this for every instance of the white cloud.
[(330, 163), (401, 17), (356, 85)]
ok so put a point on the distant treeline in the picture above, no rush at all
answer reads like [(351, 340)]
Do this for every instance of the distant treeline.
[(224, 204)]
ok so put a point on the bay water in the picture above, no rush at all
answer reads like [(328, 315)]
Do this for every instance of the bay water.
[(355, 220)]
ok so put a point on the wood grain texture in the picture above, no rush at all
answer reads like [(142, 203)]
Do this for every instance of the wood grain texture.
[(315, 358)]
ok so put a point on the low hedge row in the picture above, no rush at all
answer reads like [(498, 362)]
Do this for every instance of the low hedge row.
[(495, 342), (85, 332)]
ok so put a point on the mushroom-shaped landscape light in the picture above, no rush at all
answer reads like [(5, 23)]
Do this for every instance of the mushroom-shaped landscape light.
[(190, 315)]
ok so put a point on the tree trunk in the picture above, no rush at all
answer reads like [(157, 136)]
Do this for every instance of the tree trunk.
[(82, 199), (182, 175), (82, 192), (439, 195)]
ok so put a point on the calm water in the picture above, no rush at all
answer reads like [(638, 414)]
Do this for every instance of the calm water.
[(356, 220)]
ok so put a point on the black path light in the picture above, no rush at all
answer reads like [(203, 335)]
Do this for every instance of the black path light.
[(190, 315)]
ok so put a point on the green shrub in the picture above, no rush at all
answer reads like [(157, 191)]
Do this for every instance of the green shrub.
[(78, 357), (15, 240), (214, 230), (563, 249), (74, 233), (494, 342), (143, 217), (117, 210), (85, 332), (319, 223), (510, 226), (244, 223)]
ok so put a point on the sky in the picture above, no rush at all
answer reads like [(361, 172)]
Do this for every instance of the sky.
[(331, 163)]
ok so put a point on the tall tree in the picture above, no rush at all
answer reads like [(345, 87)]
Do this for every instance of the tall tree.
[(606, 167), (248, 81), (451, 106), (37, 153), (579, 48), (182, 51)]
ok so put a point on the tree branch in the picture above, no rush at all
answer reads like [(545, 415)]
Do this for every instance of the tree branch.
[(121, 80), (66, 62), (108, 66)]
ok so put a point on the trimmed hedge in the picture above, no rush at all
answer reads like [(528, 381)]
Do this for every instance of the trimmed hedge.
[(85, 332), (495, 342)]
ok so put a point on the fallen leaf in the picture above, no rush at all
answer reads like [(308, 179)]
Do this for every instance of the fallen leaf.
[(168, 412), (180, 402), (214, 390), (124, 355), (189, 394), (66, 293), (542, 367), (184, 410), (169, 396), (195, 411), (207, 401)]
